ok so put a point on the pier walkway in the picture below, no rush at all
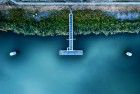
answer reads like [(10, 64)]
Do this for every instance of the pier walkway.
[(70, 50)]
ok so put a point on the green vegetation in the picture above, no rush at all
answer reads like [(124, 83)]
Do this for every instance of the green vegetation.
[(85, 22), (97, 22)]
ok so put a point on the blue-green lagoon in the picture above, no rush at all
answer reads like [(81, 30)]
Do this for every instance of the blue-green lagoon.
[(38, 69)]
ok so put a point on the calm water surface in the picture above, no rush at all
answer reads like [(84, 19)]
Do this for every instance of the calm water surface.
[(38, 69)]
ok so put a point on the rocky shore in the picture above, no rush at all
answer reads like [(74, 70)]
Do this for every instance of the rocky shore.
[(87, 19)]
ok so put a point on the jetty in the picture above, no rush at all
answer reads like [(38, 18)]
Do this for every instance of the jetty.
[(70, 50)]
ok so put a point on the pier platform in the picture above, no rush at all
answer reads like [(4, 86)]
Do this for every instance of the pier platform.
[(68, 52)]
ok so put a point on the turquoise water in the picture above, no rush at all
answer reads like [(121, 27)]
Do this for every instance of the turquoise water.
[(38, 69)]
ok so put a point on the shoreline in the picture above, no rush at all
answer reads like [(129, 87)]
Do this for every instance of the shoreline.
[(81, 27)]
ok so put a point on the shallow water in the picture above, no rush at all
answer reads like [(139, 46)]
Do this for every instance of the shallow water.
[(38, 69)]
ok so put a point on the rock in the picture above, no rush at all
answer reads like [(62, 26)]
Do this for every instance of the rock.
[(129, 54), (13, 53), (3, 1)]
